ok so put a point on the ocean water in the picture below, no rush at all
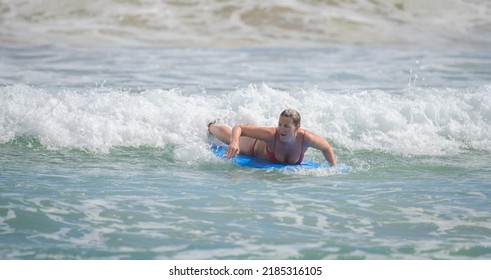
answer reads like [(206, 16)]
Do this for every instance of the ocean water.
[(104, 150)]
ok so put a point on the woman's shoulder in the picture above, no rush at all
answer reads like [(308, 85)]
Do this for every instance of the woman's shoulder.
[(308, 136), (305, 133)]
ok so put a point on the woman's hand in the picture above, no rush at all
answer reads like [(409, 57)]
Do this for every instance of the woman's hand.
[(232, 150)]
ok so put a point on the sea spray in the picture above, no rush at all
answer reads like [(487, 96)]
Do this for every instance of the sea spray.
[(423, 121)]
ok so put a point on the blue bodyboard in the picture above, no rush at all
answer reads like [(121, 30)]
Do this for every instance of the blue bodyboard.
[(254, 162)]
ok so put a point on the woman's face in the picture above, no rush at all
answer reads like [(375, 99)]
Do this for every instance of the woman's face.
[(286, 129)]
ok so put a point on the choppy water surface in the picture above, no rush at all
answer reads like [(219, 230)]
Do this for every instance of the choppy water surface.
[(104, 148)]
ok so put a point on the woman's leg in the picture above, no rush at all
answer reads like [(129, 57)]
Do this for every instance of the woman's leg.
[(220, 131), (223, 133)]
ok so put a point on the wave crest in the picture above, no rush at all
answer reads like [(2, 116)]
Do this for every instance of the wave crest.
[(421, 122), (246, 23)]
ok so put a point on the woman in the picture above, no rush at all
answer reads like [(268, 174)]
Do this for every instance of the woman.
[(285, 144)]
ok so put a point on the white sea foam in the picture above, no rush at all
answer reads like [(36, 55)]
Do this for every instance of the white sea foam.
[(429, 121), (239, 23)]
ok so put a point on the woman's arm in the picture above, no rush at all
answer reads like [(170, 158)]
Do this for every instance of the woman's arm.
[(257, 132), (321, 144)]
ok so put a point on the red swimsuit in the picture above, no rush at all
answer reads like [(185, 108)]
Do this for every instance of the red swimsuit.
[(271, 155)]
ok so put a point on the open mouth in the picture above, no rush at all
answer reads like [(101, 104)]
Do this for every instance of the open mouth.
[(283, 134)]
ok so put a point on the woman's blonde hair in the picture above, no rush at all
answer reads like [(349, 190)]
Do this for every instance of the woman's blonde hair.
[(294, 114)]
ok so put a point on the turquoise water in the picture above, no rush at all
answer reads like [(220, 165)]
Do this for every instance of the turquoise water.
[(140, 203), (104, 151)]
